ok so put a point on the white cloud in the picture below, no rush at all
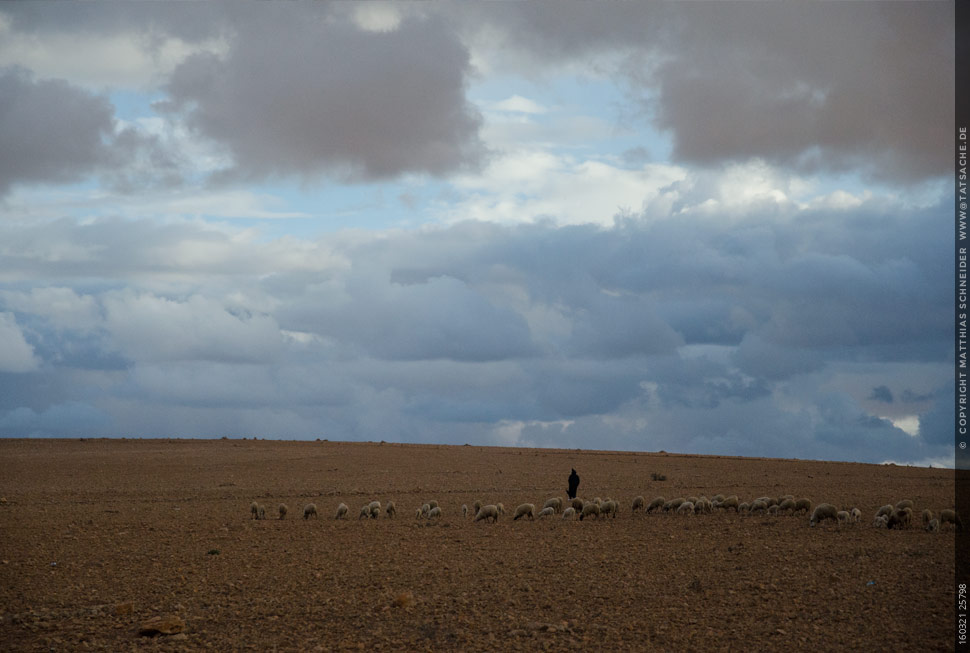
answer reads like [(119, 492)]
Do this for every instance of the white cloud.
[(16, 354)]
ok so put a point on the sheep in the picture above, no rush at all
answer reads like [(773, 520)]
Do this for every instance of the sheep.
[(673, 504), (856, 515), (900, 518), (501, 508), (773, 510), (425, 508), (932, 525), (686, 508), (885, 510), (254, 510), (951, 517), (703, 505), (787, 505), (555, 503), (487, 512), (638, 503), (476, 506), (656, 504), (822, 512), (843, 516), (577, 504), (433, 504), (569, 513), (341, 511), (717, 498), (758, 505), (364, 512), (262, 511), (786, 497), (464, 511), (283, 509), (729, 502), (609, 507), (927, 516), (309, 510), (591, 509), (418, 514), (881, 521), (691, 499), (744, 507), (525, 510), (391, 510), (802, 504), (546, 512), (904, 503), (375, 509), (434, 513)]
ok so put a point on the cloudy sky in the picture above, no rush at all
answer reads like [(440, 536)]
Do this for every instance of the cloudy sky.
[(704, 228)]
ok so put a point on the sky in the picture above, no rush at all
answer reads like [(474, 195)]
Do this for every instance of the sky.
[(710, 228)]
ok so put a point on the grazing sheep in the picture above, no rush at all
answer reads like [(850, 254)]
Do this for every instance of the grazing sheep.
[(843, 516), (487, 512), (424, 509), (418, 514), (309, 510), (691, 499), (729, 502), (856, 515), (758, 505), (901, 518), (569, 513), (951, 517), (341, 511), (254, 510), (703, 505), (673, 504), (375, 509), (476, 507), (717, 498), (433, 503), (787, 505), (525, 510), (686, 508), (282, 510), (927, 516), (773, 510), (609, 507), (822, 512), (932, 525), (555, 503), (656, 504), (434, 513), (391, 510), (886, 510), (364, 512), (744, 507), (638, 503), (577, 504), (786, 497), (262, 511), (501, 508), (591, 509), (546, 512), (464, 511), (904, 503), (881, 521), (802, 504)]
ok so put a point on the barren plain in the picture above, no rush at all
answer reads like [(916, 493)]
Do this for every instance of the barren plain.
[(97, 537)]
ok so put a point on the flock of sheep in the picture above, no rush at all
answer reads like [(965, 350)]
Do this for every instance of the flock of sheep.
[(889, 516)]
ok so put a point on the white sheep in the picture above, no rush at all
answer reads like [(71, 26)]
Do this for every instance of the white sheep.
[(744, 507), (262, 511), (717, 498), (555, 503), (569, 513), (476, 507), (577, 504), (881, 521), (901, 517), (434, 513), (546, 512), (341, 511), (729, 502), (424, 509), (773, 510), (759, 505), (786, 505), (673, 504), (375, 509), (391, 510), (638, 503), (590, 509), (309, 510), (364, 512), (949, 516), (433, 503), (609, 508), (418, 514), (703, 505), (656, 504), (501, 508), (525, 510), (489, 512), (927, 516), (686, 508), (802, 504), (856, 515), (932, 525), (886, 511), (843, 516), (254, 510), (904, 503), (822, 512), (283, 510)]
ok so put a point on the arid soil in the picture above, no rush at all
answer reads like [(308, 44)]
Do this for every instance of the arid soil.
[(97, 537)]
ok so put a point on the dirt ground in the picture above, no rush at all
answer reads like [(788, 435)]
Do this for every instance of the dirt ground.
[(97, 537)]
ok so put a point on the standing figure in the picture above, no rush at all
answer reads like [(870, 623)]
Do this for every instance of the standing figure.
[(573, 484)]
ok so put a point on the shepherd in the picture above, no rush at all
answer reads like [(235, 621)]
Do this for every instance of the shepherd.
[(573, 484)]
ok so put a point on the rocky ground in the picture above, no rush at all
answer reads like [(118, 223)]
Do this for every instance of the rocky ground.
[(98, 538)]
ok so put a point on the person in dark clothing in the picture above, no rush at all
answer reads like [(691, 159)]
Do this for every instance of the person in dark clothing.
[(573, 484)]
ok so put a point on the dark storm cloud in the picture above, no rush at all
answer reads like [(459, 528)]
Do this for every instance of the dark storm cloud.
[(882, 393), (300, 95)]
